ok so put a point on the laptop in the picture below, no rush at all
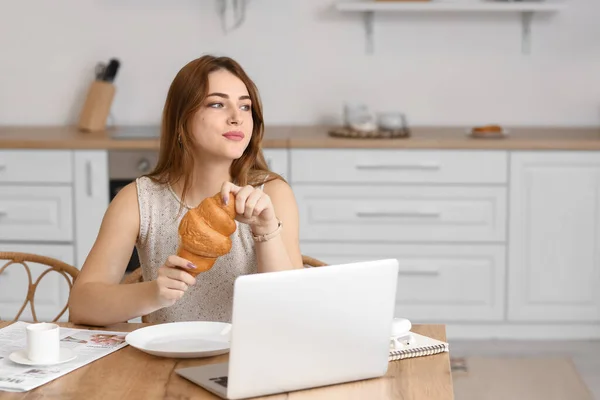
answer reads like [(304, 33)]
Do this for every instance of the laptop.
[(305, 328)]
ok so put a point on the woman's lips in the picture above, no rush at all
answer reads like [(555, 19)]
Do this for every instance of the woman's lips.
[(234, 135)]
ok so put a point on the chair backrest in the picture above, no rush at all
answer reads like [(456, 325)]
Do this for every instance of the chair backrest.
[(312, 262), (136, 275), (69, 272)]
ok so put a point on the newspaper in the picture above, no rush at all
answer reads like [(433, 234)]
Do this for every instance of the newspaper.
[(88, 345)]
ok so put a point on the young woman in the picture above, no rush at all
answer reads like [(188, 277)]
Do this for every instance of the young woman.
[(211, 136)]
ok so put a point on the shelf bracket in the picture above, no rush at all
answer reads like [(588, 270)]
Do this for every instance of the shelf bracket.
[(369, 21), (526, 17)]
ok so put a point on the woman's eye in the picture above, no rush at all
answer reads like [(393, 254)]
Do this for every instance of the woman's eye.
[(216, 105), (246, 107)]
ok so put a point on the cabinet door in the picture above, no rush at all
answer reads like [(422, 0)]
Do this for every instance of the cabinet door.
[(52, 292), (91, 199), (436, 283), (277, 159), (554, 242)]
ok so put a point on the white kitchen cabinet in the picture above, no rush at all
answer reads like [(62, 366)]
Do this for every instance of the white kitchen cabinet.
[(91, 188), (494, 243), (391, 213), (441, 213), (278, 161), (52, 292), (51, 203), (436, 283), (554, 239)]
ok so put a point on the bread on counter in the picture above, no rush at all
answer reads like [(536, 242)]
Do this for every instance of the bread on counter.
[(496, 129)]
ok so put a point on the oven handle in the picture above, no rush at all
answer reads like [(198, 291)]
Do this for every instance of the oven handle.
[(88, 178)]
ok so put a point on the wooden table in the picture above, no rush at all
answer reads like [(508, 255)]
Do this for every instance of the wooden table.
[(132, 374)]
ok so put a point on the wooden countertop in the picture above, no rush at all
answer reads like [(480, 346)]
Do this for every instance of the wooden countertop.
[(130, 373), (520, 138), (69, 137)]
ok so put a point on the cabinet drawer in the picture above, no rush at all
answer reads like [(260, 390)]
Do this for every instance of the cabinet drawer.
[(32, 213), (400, 166), (52, 292), (400, 213), (36, 166), (435, 283)]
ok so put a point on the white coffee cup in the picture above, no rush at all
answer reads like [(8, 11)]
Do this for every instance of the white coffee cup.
[(43, 342)]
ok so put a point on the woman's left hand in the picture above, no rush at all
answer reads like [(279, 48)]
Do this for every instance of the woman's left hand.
[(253, 207)]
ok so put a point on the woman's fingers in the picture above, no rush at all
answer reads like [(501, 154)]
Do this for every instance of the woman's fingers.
[(172, 271), (251, 203), (226, 188), (263, 203), (241, 197), (179, 275), (176, 261), (176, 285)]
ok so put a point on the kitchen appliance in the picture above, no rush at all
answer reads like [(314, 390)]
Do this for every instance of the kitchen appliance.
[(133, 132), (124, 166)]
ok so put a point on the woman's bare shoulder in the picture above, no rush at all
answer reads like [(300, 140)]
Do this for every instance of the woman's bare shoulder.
[(126, 198), (278, 187), (281, 194)]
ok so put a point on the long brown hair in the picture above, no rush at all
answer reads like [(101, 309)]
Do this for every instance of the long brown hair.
[(186, 94)]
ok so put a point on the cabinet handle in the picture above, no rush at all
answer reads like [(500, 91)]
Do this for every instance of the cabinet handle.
[(2, 167), (376, 214), (420, 271), (427, 165), (88, 178)]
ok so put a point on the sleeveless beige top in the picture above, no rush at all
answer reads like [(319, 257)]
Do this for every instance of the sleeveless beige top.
[(211, 298)]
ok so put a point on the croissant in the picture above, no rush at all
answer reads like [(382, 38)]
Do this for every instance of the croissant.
[(488, 129), (204, 232)]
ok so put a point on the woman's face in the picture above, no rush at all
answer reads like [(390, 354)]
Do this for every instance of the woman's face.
[(222, 126)]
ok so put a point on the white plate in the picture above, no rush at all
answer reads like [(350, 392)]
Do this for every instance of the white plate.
[(20, 357), (182, 339)]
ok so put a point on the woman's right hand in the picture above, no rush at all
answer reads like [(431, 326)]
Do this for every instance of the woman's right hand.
[(173, 282)]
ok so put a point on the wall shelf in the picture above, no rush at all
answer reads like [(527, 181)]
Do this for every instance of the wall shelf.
[(526, 8)]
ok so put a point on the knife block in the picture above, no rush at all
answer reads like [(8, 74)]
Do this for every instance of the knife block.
[(97, 105)]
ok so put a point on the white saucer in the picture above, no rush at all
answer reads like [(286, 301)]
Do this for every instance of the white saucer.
[(20, 357)]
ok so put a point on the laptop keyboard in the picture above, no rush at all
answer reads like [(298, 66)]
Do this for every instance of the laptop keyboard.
[(221, 381)]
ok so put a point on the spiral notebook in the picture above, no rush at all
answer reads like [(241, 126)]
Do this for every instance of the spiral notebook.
[(422, 346)]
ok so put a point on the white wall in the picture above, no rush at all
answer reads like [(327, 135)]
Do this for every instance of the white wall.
[(306, 58)]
